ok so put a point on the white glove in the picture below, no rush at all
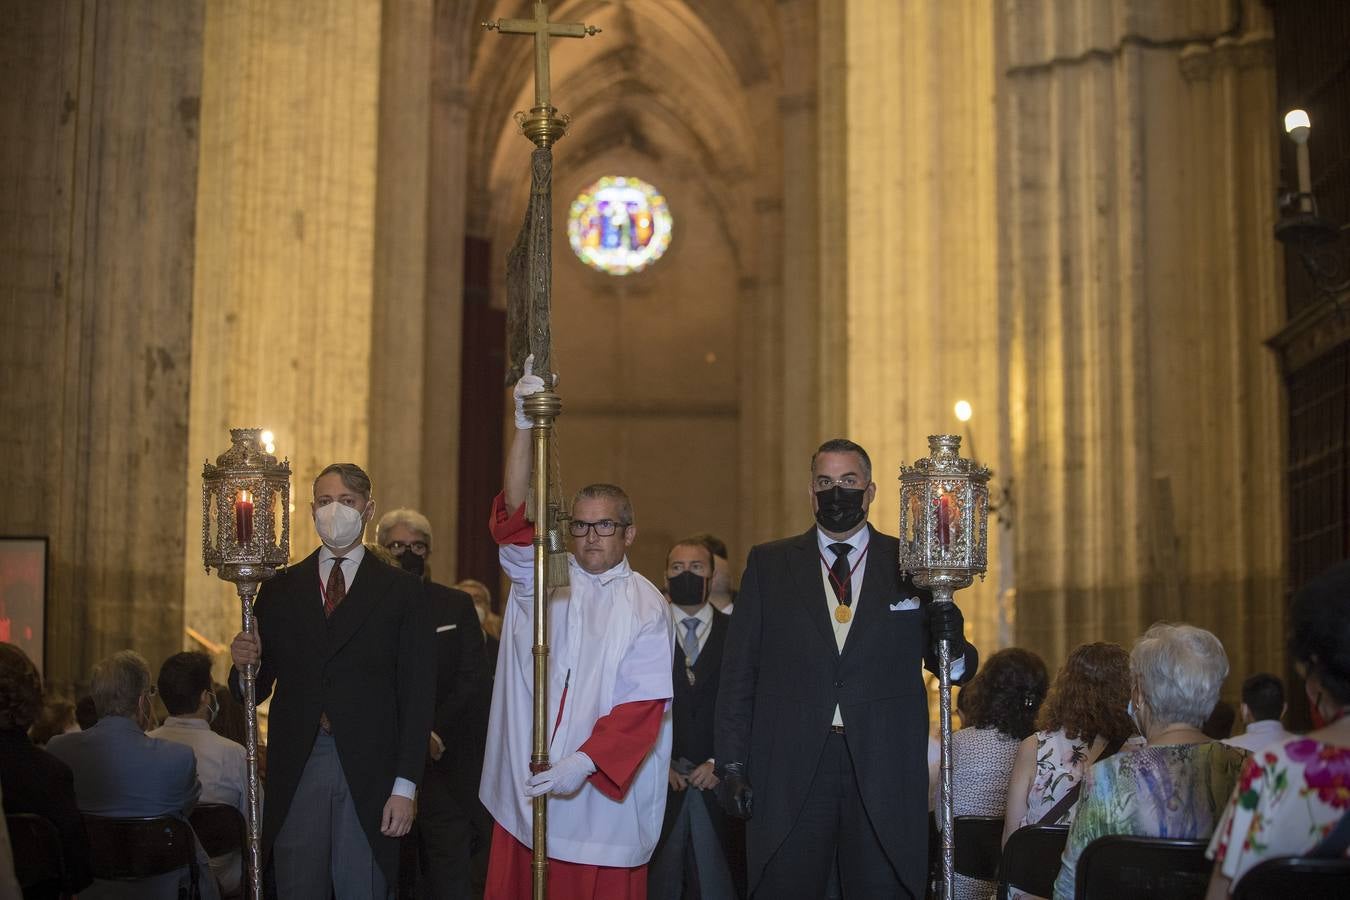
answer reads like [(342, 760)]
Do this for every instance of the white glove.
[(566, 777), (528, 384)]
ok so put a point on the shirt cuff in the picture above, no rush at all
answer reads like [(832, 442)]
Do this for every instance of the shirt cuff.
[(958, 668), (404, 788)]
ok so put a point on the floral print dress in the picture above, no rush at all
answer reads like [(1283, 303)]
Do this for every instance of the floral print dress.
[(1290, 796)]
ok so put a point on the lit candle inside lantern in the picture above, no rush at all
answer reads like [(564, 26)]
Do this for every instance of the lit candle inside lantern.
[(243, 518), (944, 520)]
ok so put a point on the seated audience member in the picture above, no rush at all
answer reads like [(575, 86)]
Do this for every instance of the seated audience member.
[(57, 717), (121, 771), (1262, 708), (32, 780), (229, 721), (1293, 794), (1083, 717), (1219, 725), (999, 710), (185, 687), (85, 714), (1177, 784)]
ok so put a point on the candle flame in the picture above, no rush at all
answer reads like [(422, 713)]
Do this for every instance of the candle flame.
[(245, 497)]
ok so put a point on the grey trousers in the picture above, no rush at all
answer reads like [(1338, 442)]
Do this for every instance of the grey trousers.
[(321, 850)]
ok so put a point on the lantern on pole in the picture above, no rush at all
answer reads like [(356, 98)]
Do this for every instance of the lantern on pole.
[(944, 544), (246, 538)]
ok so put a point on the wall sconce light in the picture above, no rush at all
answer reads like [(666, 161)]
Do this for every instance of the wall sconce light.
[(1318, 242)]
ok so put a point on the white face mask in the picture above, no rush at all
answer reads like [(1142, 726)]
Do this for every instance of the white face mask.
[(339, 526)]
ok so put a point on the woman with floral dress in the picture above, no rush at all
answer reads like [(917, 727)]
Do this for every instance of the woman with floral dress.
[(1084, 714), (1291, 795)]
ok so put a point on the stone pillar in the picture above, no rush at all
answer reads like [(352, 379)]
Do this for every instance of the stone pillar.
[(99, 145), (285, 294), (1138, 278), (917, 218)]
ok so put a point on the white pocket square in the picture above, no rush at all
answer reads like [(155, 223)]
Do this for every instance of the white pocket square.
[(446, 628), (903, 605)]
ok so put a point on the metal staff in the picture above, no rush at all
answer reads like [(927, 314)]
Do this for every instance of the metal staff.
[(944, 518), (241, 496)]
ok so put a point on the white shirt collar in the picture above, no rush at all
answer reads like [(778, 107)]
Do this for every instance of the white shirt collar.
[(1265, 725), (186, 722), (354, 555), (704, 615), (620, 570), (857, 542)]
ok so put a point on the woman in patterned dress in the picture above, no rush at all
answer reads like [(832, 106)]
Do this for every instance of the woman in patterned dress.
[(1176, 786), (999, 708), (1084, 714), (1291, 795)]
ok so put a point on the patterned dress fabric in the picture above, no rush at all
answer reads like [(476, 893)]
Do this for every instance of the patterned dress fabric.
[(1289, 797), (982, 761), (1171, 791)]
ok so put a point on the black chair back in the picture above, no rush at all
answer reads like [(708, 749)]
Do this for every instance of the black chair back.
[(1030, 860), (979, 843), (128, 849), (39, 861), (1130, 867), (1295, 876), (222, 829)]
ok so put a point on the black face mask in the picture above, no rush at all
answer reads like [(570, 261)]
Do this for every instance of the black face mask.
[(686, 589), (411, 562), (840, 509)]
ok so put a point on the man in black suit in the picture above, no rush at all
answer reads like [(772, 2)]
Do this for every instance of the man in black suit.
[(344, 639), (822, 705), (690, 860), (443, 835)]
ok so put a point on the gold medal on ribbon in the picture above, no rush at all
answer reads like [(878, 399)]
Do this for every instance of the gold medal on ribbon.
[(842, 613)]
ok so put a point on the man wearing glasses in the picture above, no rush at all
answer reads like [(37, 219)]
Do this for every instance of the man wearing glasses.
[(442, 835), (825, 657), (610, 643)]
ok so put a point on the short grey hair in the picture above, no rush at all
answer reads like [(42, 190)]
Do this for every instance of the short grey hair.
[(1179, 669), (409, 518), (118, 683), (602, 491)]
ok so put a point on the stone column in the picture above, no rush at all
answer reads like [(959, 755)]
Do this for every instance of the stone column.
[(99, 130), (285, 292)]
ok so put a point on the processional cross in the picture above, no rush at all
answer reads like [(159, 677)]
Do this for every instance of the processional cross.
[(529, 276)]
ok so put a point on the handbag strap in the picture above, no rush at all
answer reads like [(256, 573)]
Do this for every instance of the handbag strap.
[(1066, 802)]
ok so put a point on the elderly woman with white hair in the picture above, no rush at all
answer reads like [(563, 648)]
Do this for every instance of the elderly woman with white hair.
[(1178, 784)]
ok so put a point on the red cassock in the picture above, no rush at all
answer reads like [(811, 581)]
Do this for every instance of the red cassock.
[(619, 743)]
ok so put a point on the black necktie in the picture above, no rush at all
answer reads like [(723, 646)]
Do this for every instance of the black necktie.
[(840, 573)]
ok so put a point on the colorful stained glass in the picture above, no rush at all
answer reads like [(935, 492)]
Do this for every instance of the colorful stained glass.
[(619, 225)]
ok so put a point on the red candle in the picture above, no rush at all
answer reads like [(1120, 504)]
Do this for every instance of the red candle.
[(944, 520), (243, 518)]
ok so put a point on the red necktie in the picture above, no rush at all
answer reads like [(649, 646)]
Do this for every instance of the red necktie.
[(336, 591)]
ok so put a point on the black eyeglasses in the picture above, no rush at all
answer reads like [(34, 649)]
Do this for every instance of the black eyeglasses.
[(603, 528), (397, 547)]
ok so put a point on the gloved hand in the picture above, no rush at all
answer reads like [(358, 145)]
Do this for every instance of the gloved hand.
[(528, 384), (565, 776), (734, 792), (946, 622)]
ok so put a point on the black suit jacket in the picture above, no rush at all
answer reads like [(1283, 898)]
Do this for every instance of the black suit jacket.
[(36, 782), (369, 667), (782, 676), (692, 712), (462, 691)]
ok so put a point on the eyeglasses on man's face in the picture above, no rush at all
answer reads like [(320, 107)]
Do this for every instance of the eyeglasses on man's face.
[(603, 528), (397, 547)]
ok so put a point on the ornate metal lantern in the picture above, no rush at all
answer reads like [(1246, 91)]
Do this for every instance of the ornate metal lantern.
[(944, 543), (246, 538)]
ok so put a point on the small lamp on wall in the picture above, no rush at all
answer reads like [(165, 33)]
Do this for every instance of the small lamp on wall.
[(1318, 241)]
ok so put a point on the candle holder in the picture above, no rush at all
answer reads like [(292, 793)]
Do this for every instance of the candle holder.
[(246, 538), (944, 544)]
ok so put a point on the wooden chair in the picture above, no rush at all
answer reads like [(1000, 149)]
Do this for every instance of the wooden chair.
[(1129, 867), (978, 847), (222, 830), (1030, 860), (1295, 876), (130, 849), (39, 860)]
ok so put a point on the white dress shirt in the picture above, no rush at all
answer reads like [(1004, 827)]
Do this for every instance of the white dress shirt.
[(351, 562), (1260, 735), (705, 620)]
